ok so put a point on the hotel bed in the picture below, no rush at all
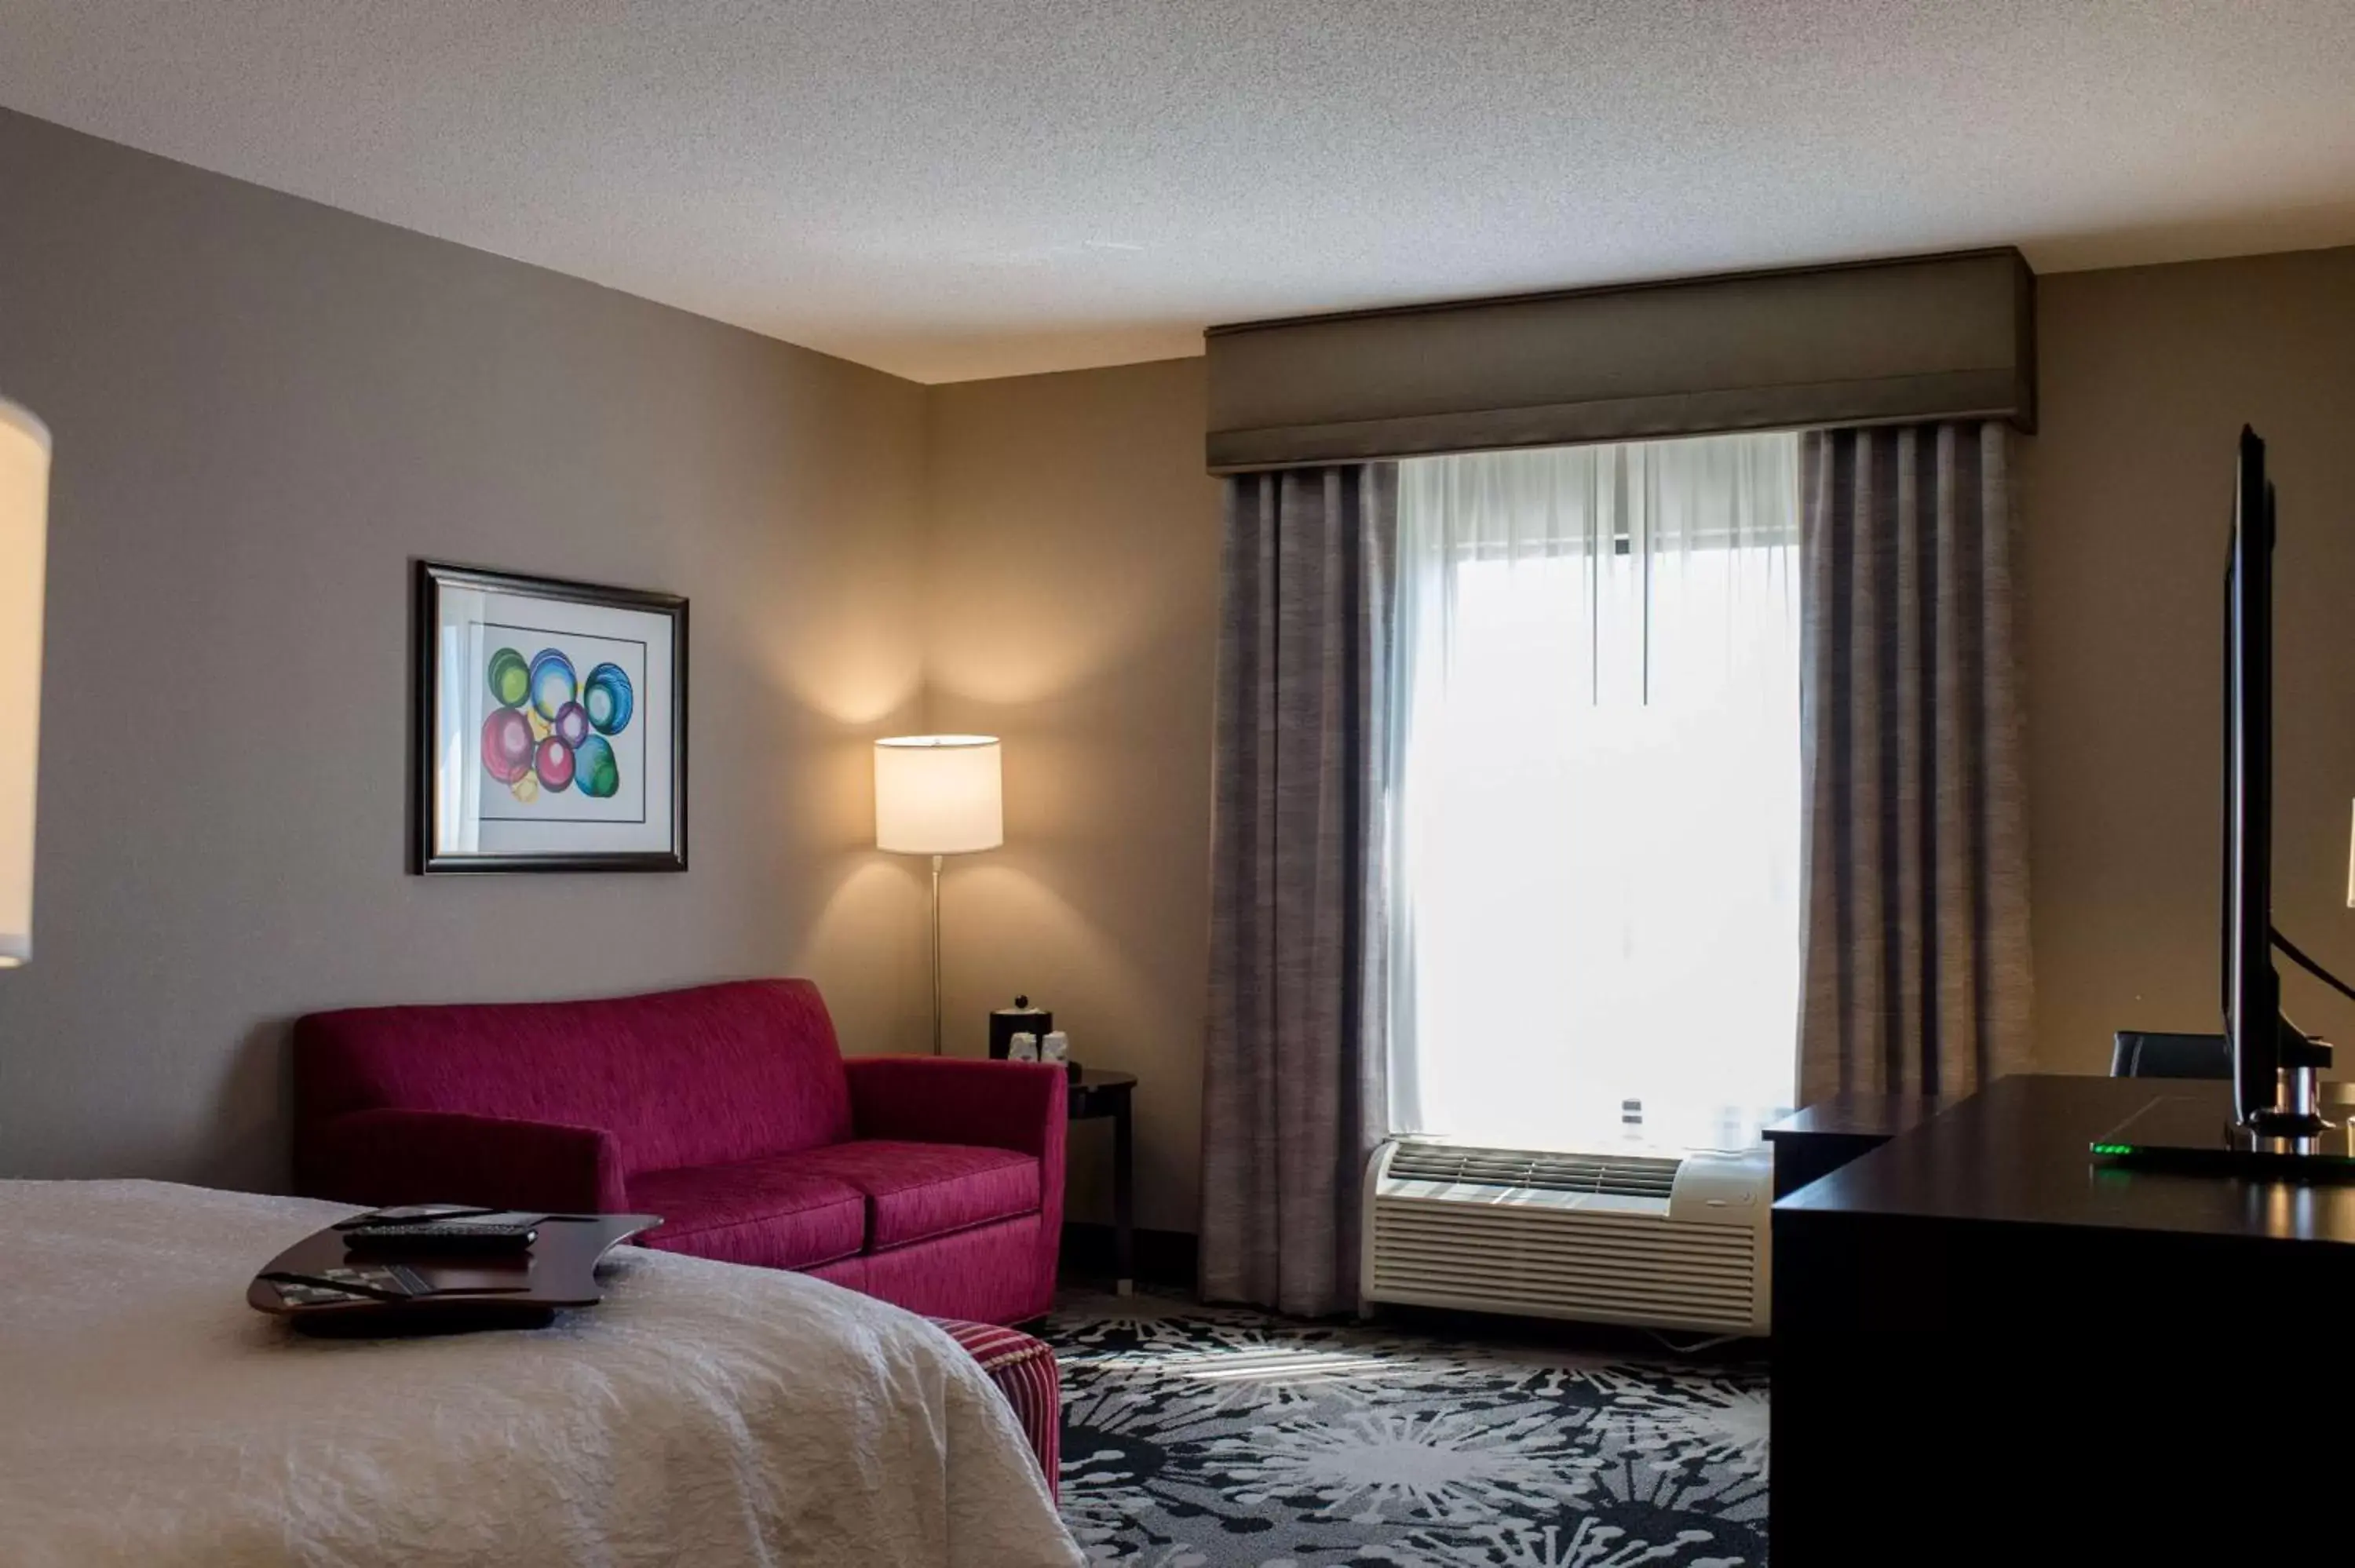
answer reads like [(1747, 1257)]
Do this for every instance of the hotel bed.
[(706, 1414)]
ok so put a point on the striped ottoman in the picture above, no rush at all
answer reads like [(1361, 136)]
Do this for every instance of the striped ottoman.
[(1023, 1368)]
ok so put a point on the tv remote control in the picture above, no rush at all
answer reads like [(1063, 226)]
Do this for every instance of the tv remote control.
[(440, 1236)]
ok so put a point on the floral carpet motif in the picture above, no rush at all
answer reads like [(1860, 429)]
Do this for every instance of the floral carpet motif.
[(1207, 1437)]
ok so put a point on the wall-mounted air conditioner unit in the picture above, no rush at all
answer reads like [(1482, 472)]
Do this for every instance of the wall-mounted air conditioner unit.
[(1663, 1242)]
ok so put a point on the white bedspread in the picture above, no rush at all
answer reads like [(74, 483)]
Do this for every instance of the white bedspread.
[(705, 1414)]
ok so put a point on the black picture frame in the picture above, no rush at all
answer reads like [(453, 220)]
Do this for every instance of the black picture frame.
[(429, 580)]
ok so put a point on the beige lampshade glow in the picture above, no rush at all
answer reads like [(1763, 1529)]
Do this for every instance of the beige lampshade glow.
[(938, 794), (24, 542)]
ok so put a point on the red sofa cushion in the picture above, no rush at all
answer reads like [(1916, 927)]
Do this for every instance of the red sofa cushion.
[(701, 1076), (765, 1211), (989, 1273), (915, 1190)]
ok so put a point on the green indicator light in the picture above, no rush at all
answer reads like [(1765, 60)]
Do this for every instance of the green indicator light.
[(2113, 1149)]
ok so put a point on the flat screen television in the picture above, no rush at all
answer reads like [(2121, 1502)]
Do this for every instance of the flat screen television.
[(2276, 1125), (2253, 1021)]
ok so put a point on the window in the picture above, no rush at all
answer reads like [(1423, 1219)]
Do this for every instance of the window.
[(1596, 855)]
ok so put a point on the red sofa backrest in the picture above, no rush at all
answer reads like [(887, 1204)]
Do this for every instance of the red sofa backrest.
[(701, 1076)]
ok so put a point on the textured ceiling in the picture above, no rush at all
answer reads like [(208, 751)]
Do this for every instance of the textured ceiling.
[(951, 190)]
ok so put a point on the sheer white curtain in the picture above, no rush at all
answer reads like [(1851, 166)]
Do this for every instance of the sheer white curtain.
[(1595, 892)]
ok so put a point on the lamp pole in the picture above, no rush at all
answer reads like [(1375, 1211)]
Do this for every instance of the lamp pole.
[(936, 955)]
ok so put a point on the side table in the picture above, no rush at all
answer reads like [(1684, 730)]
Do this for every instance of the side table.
[(1093, 1093)]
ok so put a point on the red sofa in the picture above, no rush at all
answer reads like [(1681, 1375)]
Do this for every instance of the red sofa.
[(932, 1182)]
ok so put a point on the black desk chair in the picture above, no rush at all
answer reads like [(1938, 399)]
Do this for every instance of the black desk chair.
[(2148, 1054)]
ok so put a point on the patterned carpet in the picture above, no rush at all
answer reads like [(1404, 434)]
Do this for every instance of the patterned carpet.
[(1204, 1437)]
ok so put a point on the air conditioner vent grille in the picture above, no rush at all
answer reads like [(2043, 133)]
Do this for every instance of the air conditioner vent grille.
[(1619, 1176), (1699, 1278), (1671, 1244)]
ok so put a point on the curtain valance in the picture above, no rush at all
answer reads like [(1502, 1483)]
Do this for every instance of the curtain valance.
[(1920, 339)]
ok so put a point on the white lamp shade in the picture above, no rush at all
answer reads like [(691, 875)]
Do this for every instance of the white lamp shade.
[(24, 542), (938, 794)]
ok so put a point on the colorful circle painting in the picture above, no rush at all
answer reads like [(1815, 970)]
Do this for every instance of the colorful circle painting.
[(606, 695), (506, 746), (510, 678), (550, 731), (553, 685), (553, 763), (571, 724), (594, 770)]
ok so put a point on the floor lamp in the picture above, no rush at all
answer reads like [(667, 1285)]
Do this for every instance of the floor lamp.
[(24, 538), (938, 795)]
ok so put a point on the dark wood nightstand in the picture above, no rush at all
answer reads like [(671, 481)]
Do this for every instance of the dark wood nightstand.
[(1096, 1092)]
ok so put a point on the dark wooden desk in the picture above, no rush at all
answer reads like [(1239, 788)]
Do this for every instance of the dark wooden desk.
[(1989, 1347), (1814, 1142)]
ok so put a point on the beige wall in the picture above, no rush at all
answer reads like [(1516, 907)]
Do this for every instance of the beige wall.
[(1072, 609), (2147, 375), (263, 408)]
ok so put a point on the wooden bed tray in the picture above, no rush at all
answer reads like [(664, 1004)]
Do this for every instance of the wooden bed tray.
[(466, 1291)]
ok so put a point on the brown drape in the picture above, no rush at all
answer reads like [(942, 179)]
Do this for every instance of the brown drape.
[(1916, 953), (1293, 1097)]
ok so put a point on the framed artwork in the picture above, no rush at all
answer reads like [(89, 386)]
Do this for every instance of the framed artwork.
[(550, 730)]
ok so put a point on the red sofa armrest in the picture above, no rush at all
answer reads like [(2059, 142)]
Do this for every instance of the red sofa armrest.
[(955, 1099), (995, 1104), (381, 1157)]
